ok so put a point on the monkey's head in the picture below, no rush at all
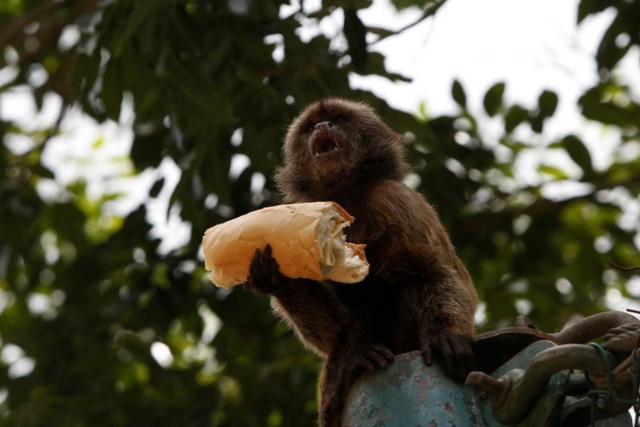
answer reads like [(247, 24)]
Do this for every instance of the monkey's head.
[(336, 146)]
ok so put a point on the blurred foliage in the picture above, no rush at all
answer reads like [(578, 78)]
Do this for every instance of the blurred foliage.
[(88, 303)]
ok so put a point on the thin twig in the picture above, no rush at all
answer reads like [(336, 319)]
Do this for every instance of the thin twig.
[(428, 11), (53, 131), (625, 269), (17, 26)]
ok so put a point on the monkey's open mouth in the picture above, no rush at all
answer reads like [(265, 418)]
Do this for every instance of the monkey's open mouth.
[(324, 143)]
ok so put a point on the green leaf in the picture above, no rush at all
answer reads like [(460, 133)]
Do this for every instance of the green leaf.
[(493, 99), (142, 10), (537, 123), (112, 93), (547, 104), (98, 143), (355, 32), (578, 153), (458, 94), (596, 108), (147, 149), (514, 117), (156, 188), (382, 32), (42, 171), (591, 7), (610, 52), (375, 65), (554, 172)]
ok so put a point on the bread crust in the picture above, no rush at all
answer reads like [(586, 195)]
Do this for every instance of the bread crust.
[(291, 231)]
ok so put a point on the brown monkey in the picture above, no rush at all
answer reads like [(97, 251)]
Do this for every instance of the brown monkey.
[(418, 295)]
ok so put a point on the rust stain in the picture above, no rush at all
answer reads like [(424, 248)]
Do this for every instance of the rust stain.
[(432, 423), (448, 407)]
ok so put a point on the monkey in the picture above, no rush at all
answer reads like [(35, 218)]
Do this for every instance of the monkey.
[(417, 296)]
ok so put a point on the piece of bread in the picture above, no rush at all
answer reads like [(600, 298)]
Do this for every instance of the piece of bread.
[(307, 240)]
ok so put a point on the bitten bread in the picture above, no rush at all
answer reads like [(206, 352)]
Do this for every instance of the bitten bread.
[(307, 240)]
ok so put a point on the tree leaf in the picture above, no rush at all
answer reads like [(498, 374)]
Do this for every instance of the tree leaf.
[(375, 65), (355, 33), (590, 7), (142, 10), (547, 104), (610, 52), (514, 117), (556, 173), (111, 94), (493, 99), (595, 107), (457, 91), (156, 188), (578, 153)]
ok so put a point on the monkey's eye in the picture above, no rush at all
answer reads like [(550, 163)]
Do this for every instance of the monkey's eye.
[(309, 127), (340, 120)]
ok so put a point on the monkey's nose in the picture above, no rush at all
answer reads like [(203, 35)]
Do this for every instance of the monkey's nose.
[(323, 125)]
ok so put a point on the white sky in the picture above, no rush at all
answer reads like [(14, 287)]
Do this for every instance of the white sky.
[(533, 45)]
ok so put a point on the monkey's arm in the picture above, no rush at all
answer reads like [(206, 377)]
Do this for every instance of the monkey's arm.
[(316, 313), (447, 315), (442, 294), (446, 328), (310, 308)]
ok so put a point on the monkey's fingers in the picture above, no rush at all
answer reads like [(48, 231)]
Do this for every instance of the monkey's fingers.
[(427, 353), (268, 252), (362, 361), (271, 266), (370, 357), (379, 355), (258, 269), (448, 356), (462, 346), (264, 272), (254, 268), (384, 351), (457, 353)]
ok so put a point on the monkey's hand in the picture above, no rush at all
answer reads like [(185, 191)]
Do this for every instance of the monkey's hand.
[(455, 349), (369, 357), (264, 274)]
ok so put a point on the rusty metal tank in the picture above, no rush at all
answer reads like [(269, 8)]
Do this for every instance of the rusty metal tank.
[(407, 393)]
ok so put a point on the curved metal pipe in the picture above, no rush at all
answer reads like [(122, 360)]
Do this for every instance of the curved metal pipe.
[(594, 326), (513, 395)]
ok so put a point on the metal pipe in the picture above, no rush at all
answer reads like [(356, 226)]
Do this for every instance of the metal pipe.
[(594, 326), (523, 388)]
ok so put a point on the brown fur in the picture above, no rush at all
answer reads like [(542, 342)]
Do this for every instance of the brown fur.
[(418, 295)]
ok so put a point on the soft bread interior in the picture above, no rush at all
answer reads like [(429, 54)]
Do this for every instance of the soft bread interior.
[(339, 261), (352, 267)]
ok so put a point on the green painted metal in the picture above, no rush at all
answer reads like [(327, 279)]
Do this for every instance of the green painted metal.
[(407, 393), (547, 407)]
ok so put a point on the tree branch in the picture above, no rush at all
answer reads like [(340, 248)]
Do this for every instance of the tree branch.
[(53, 131), (52, 17), (487, 219), (17, 26), (625, 269), (428, 11)]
